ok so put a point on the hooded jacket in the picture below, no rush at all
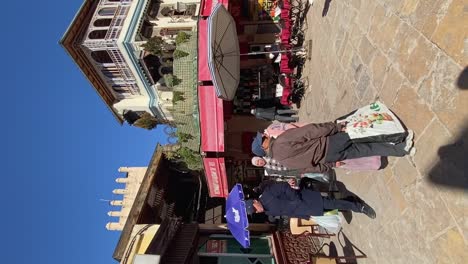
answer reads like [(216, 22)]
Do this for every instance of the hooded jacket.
[(304, 148), (279, 199)]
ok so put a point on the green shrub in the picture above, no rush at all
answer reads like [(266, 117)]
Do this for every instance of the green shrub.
[(171, 80), (182, 37), (179, 54), (177, 96)]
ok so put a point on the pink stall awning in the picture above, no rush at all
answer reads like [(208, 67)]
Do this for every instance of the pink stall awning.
[(216, 177), (211, 120), (203, 70)]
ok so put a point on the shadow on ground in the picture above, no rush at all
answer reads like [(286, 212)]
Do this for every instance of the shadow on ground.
[(452, 169)]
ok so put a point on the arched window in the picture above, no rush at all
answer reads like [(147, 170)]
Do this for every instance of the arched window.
[(120, 88), (101, 56), (97, 34), (107, 11), (103, 22), (111, 73)]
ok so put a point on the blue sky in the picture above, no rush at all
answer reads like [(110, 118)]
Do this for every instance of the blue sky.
[(61, 145)]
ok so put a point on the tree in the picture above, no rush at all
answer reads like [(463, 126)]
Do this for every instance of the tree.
[(191, 158), (182, 37), (179, 54), (146, 121), (171, 80), (177, 96), (157, 46), (183, 137)]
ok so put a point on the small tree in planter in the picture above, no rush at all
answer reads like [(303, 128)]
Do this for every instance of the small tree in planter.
[(146, 121), (157, 46), (177, 96), (179, 54), (182, 37), (171, 80), (183, 137)]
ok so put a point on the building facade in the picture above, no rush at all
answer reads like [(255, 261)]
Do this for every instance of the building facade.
[(105, 40)]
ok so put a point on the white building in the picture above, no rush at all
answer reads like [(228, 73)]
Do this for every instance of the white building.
[(105, 38)]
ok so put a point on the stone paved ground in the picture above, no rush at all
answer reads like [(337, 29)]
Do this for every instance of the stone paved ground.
[(410, 54)]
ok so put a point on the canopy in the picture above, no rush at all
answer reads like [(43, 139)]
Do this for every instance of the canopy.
[(211, 120), (216, 178), (223, 52), (236, 216)]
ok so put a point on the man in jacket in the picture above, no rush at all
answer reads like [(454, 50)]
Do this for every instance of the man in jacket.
[(279, 199), (319, 147)]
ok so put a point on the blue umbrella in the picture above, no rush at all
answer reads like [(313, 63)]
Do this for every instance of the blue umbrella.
[(236, 216)]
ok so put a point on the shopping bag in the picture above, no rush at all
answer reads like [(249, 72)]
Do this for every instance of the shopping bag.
[(360, 164), (374, 123), (321, 177), (331, 221), (277, 128)]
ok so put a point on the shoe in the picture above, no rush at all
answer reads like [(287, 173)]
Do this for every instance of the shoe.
[(408, 146), (367, 210), (412, 152), (410, 135)]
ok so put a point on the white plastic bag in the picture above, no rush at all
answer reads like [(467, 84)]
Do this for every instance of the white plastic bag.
[(332, 223), (374, 123)]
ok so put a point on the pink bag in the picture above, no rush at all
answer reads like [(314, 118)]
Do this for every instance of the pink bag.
[(360, 164), (276, 129)]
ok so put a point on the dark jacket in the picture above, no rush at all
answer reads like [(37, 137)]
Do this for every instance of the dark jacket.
[(304, 147), (279, 199), (265, 113)]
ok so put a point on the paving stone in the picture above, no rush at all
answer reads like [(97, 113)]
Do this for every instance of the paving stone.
[(427, 210), (364, 16), (456, 200), (392, 83), (356, 35), (399, 201), (363, 84), (412, 110), (428, 145), (440, 91), (452, 32), (405, 173), (433, 19), (355, 3), (412, 243), (404, 43), (366, 50), (450, 248), (420, 60), (370, 95), (379, 66), (356, 67)]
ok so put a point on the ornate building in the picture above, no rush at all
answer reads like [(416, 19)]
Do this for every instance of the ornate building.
[(105, 40)]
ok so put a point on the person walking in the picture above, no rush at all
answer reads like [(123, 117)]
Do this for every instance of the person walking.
[(279, 199), (320, 147)]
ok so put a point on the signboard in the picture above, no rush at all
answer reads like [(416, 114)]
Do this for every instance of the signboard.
[(216, 178)]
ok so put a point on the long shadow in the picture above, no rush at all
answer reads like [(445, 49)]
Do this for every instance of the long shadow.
[(452, 169), (462, 81), (326, 7)]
